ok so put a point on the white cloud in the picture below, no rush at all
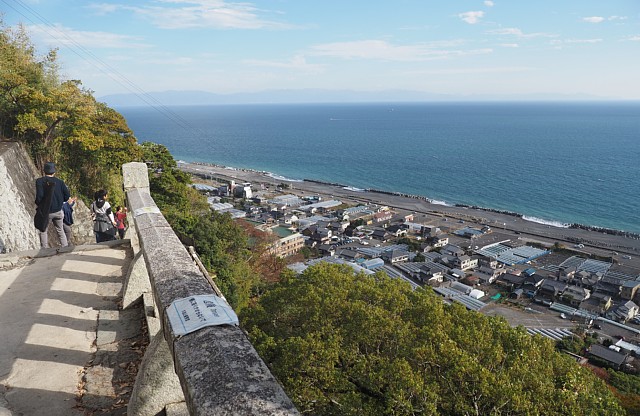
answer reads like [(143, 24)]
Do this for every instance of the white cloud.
[(507, 31), (635, 38), (471, 17), (514, 31), (558, 42), (617, 18), (385, 51), (219, 14), (509, 45), (594, 19), (60, 35), (489, 3)]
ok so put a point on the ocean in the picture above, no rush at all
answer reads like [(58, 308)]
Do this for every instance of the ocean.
[(555, 163)]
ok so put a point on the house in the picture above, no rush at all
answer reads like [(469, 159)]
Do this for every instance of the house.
[(327, 249), (349, 255), (489, 273), (610, 285), (452, 250), (430, 275), (598, 303), (430, 231), (574, 295), (287, 246), (381, 234), (320, 236), (398, 230), (464, 262), (382, 216), (551, 290), (395, 256), (624, 312), (531, 284), (439, 240), (614, 358), (510, 281), (629, 289)]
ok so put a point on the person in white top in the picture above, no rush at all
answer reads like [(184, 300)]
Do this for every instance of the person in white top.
[(104, 224)]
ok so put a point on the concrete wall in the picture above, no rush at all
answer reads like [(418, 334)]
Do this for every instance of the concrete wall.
[(218, 369), (17, 204)]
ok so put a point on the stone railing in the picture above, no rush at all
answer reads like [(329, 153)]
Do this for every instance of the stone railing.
[(212, 371)]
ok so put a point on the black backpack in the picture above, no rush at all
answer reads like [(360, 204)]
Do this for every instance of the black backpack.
[(41, 219)]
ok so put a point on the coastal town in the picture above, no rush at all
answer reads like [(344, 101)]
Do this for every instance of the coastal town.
[(553, 281)]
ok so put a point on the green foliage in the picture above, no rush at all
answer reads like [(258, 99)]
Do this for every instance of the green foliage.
[(419, 258), (573, 344), (61, 121), (414, 245), (354, 344), (157, 156), (626, 383)]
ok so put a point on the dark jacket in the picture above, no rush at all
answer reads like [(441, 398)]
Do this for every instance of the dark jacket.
[(67, 209), (60, 192)]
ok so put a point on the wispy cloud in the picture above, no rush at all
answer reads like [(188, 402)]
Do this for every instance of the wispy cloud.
[(600, 19), (60, 35), (509, 45), (490, 70), (471, 17), (514, 31), (385, 51), (298, 63), (184, 14), (489, 3), (635, 38), (560, 43), (593, 19)]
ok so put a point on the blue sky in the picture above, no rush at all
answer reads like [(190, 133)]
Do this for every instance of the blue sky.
[(462, 48)]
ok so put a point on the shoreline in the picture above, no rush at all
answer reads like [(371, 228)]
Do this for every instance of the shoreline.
[(525, 217), (617, 248)]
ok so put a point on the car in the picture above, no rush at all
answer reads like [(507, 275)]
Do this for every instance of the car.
[(563, 316), (597, 326), (626, 257)]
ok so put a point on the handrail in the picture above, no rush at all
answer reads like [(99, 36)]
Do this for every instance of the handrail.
[(219, 370)]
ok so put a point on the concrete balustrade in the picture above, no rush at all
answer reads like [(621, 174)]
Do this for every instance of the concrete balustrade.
[(219, 371)]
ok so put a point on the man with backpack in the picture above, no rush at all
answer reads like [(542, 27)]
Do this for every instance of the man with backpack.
[(51, 193)]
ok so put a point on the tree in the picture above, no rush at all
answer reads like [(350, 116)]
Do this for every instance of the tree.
[(61, 121), (355, 344)]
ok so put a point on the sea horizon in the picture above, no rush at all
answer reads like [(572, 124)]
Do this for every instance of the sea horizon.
[(579, 157)]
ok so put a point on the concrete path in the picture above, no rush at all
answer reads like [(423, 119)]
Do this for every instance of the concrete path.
[(60, 329)]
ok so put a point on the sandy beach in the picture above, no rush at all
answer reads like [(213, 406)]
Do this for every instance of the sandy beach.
[(598, 243)]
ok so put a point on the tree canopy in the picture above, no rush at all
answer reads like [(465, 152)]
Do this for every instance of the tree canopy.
[(60, 120), (355, 344)]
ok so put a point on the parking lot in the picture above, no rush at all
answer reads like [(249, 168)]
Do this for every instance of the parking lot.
[(534, 316)]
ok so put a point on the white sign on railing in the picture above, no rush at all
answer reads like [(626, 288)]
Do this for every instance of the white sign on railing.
[(146, 210), (194, 312)]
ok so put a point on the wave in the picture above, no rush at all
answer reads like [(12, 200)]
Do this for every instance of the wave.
[(353, 188), (281, 178), (437, 202), (546, 222)]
